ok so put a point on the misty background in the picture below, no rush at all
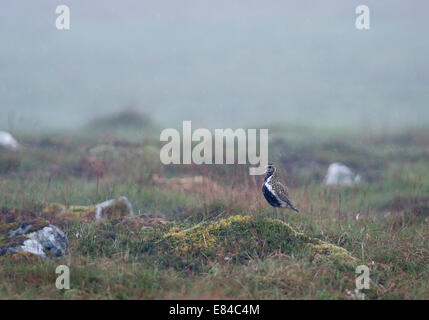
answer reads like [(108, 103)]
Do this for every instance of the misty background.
[(217, 63)]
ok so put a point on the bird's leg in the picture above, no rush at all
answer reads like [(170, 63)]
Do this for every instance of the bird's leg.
[(275, 213)]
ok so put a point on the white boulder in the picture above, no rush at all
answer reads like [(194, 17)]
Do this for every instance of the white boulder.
[(7, 141), (340, 174)]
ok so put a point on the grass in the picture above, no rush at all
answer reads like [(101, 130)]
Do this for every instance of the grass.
[(382, 223)]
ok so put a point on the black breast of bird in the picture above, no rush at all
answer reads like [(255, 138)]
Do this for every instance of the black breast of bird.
[(269, 193)]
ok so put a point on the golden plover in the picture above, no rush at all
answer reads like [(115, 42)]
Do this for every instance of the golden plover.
[(274, 192)]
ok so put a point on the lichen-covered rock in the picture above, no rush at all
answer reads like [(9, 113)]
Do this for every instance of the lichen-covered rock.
[(110, 209), (340, 174), (114, 209), (238, 237), (37, 237)]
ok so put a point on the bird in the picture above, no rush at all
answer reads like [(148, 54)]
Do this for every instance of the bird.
[(275, 192)]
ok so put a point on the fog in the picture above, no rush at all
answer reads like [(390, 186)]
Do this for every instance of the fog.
[(217, 63)]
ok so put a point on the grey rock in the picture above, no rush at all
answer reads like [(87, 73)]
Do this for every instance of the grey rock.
[(51, 239), (48, 241)]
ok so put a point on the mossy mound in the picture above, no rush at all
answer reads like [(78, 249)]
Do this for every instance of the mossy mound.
[(239, 237)]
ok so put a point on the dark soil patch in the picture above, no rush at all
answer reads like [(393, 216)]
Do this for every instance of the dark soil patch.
[(124, 118), (301, 164), (418, 206), (10, 161)]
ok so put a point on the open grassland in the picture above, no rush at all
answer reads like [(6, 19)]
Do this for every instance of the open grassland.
[(187, 239)]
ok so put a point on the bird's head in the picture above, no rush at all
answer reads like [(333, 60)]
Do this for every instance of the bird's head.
[(271, 168)]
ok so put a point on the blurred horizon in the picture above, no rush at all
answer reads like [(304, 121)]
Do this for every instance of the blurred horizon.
[(218, 64)]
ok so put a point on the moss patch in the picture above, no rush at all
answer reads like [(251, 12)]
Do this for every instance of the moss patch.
[(324, 251), (70, 212), (116, 210), (22, 256), (8, 227)]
